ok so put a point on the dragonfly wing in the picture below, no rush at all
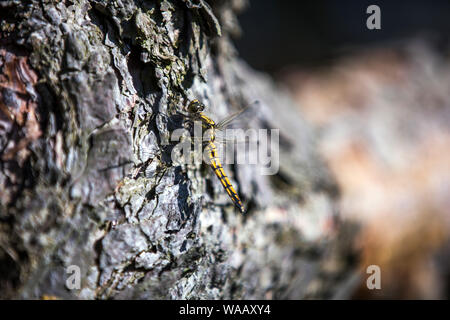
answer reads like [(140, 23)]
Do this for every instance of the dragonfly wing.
[(223, 138), (225, 122), (222, 124)]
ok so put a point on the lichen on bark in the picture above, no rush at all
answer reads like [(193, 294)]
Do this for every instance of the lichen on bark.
[(98, 188)]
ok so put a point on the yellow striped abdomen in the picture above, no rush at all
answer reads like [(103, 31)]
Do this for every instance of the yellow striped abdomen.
[(220, 173)]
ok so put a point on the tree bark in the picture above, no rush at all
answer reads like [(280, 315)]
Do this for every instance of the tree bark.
[(86, 177)]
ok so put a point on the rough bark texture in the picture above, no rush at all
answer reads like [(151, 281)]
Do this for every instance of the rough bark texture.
[(86, 177)]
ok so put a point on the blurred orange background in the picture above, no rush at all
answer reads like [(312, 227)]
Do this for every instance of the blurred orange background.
[(381, 108)]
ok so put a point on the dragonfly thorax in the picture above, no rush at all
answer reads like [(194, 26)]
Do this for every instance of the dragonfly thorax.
[(196, 108)]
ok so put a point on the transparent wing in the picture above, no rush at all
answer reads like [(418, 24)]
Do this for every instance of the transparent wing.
[(223, 137), (246, 112), (225, 122)]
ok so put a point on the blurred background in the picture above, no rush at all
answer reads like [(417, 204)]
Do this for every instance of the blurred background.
[(380, 102)]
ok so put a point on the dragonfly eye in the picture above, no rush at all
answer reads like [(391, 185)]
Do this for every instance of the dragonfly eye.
[(195, 106)]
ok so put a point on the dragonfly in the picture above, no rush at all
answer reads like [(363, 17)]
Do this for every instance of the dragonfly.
[(195, 109)]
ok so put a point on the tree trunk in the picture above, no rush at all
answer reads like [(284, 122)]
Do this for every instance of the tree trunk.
[(88, 89)]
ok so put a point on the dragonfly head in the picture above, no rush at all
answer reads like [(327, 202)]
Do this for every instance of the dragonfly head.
[(196, 106)]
